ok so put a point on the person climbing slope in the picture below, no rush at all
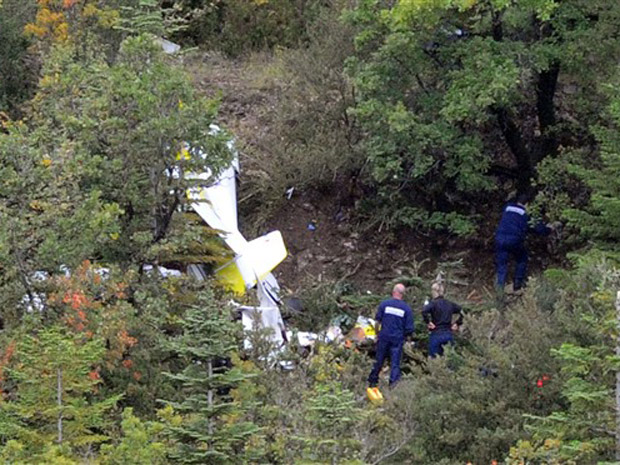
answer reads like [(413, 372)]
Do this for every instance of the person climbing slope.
[(438, 315), (510, 241), (396, 320)]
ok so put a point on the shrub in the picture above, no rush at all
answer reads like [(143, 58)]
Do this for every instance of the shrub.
[(16, 78), (311, 137), (237, 26)]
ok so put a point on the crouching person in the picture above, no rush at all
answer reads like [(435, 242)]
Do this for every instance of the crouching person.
[(395, 318)]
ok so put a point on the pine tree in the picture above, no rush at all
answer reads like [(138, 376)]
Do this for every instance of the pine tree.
[(212, 429), (50, 382), (600, 220), (583, 430), (332, 415), (139, 444)]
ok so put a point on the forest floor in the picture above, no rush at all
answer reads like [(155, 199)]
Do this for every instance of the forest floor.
[(323, 244)]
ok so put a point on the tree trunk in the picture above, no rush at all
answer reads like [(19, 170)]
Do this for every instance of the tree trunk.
[(514, 140), (210, 395), (618, 380), (59, 398), (545, 107)]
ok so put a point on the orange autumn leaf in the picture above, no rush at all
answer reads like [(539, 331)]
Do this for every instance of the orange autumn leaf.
[(66, 4), (126, 339), (77, 300)]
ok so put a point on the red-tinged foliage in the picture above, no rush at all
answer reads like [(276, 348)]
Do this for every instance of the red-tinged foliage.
[(127, 339), (95, 307), (4, 360)]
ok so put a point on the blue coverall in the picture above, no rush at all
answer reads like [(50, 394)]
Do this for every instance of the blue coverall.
[(396, 318), (510, 241), (440, 312)]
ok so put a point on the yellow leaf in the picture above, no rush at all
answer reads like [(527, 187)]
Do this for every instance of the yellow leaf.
[(36, 205)]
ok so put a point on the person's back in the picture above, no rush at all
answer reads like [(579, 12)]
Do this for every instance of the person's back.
[(513, 225), (438, 315), (396, 319), (510, 241), (440, 312)]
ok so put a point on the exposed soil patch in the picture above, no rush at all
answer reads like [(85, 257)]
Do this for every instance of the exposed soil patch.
[(323, 243)]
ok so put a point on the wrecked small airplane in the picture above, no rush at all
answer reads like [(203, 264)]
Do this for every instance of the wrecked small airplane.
[(253, 260)]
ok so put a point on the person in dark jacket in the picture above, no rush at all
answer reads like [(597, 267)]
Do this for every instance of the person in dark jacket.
[(396, 320), (438, 315), (510, 241)]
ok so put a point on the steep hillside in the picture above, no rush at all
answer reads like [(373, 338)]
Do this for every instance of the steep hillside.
[(325, 240)]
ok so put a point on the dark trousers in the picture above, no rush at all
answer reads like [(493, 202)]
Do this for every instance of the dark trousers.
[(504, 249), (436, 342), (387, 348)]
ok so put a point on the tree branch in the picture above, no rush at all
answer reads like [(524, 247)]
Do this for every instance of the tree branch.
[(514, 140), (545, 95), (497, 28)]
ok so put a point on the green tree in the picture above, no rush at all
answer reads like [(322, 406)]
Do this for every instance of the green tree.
[(98, 170), (237, 26), (50, 386), (16, 77), (138, 445), (142, 127), (599, 220), (468, 406), (331, 416), (457, 95), (583, 430), (212, 427), (48, 218)]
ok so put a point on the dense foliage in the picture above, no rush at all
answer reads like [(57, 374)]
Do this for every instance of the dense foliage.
[(457, 97), (412, 113)]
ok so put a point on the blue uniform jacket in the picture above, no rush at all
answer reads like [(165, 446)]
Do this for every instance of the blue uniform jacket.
[(396, 319), (515, 224)]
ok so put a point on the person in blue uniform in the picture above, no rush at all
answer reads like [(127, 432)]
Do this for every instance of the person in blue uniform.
[(510, 241), (396, 320), (438, 315)]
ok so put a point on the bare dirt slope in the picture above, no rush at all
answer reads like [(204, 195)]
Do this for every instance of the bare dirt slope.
[(323, 242)]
